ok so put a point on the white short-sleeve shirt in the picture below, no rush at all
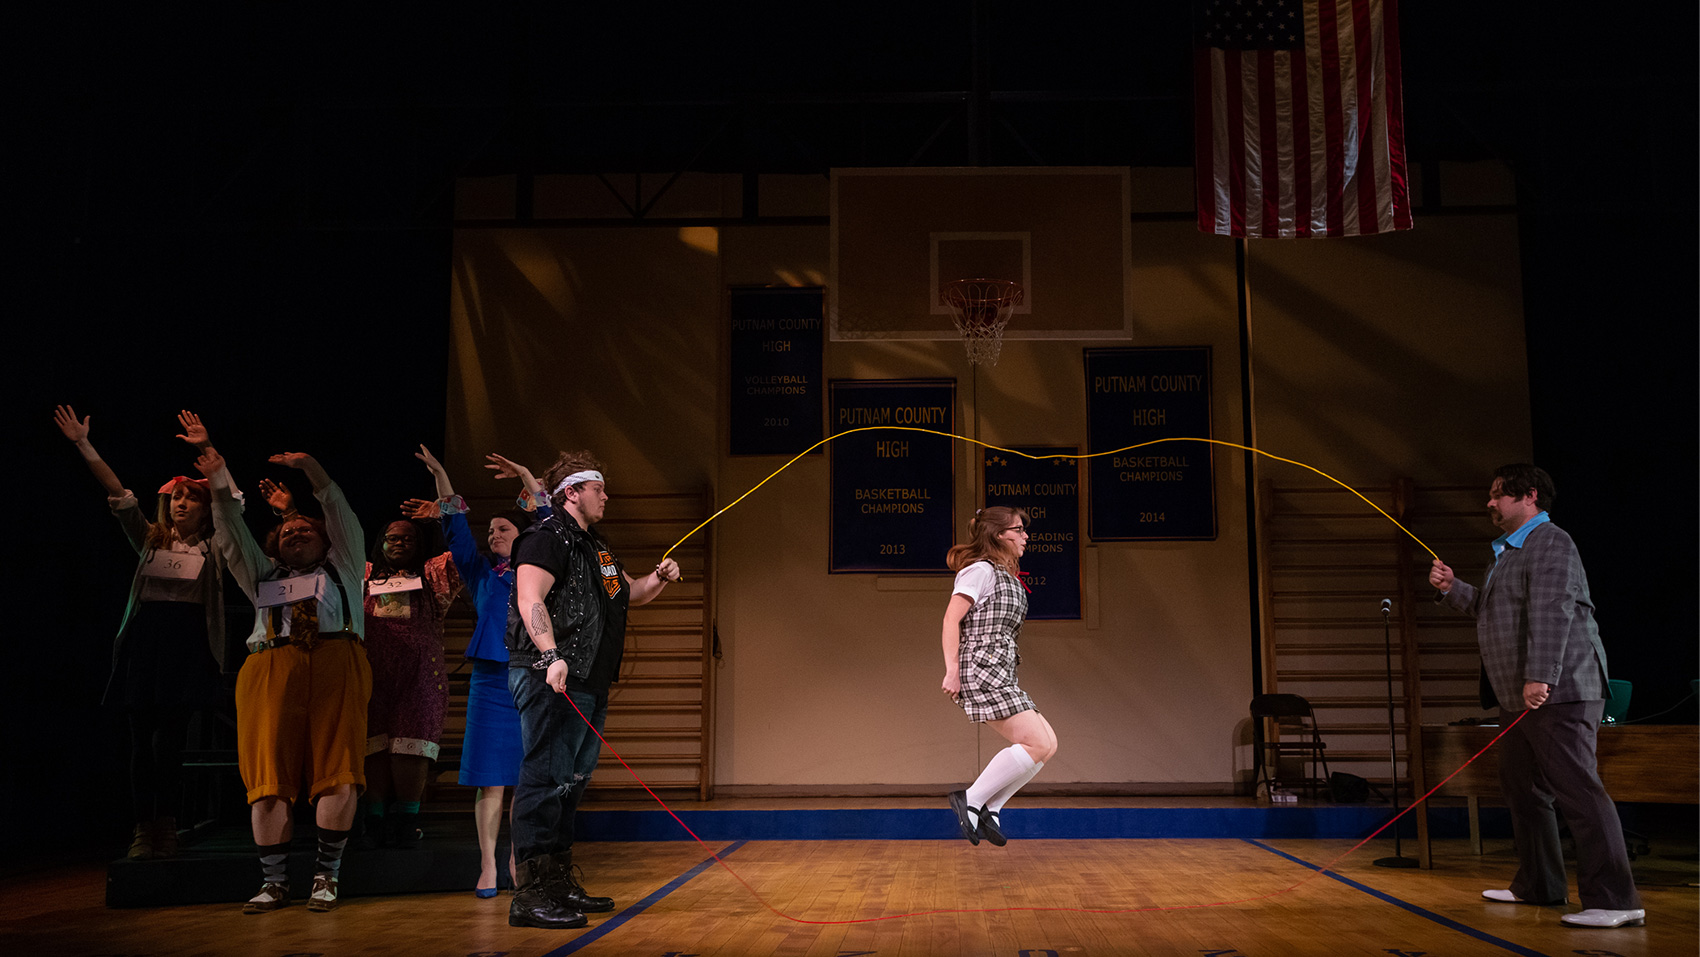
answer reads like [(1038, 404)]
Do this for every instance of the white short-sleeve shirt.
[(975, 581)]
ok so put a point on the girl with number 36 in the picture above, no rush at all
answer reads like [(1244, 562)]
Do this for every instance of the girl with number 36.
[(169, 651)]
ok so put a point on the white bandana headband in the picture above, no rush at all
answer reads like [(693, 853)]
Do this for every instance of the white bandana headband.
[(579, 478)]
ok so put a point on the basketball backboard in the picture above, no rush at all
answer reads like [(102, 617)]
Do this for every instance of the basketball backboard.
[(899, 234)]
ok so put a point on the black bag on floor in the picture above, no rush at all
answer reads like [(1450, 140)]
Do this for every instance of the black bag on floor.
[(1346, 788)]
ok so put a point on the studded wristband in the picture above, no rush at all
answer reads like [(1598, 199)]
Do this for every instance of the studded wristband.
[(546, 659)]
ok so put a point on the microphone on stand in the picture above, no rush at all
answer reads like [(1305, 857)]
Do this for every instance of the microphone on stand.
[(1398, 859)]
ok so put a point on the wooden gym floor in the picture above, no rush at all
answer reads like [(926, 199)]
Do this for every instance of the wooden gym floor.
[(673, 900)]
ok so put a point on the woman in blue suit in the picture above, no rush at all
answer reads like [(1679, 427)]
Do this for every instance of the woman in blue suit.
[(491, 751)]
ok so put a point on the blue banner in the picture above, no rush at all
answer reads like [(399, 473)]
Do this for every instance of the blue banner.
[(1048, 490), (1165, 491), (776, 369), (893, 490)]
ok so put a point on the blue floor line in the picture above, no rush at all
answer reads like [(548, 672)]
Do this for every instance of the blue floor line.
[(608, 926), (1419, 911), (1021, 822)]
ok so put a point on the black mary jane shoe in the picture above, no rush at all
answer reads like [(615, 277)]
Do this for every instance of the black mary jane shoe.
[(959, 804), (989, 828)]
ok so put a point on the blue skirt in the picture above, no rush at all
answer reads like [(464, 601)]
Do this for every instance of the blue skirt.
[(491, 751)]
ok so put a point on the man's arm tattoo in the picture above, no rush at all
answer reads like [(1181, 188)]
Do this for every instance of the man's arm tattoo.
[(540, 622)]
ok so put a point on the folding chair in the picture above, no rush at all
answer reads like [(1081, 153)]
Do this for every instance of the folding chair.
[(1292, 713)]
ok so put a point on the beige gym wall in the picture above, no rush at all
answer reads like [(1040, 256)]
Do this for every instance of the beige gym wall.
[(1374, 359)]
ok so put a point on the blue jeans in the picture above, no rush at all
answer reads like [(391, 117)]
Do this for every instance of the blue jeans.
[(560, 756)]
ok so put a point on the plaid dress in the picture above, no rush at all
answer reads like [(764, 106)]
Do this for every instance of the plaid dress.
[(987, 656)]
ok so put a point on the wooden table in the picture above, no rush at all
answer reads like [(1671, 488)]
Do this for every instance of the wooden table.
[(1658, 763)]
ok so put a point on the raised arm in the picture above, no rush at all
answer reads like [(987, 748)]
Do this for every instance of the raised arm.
[(242, 555), (424, 509), (279, 497), (194, 432), (457, 533), (307, 464), (347, 554), (78, 432), (507, 468), (344, 529), (445, 488)]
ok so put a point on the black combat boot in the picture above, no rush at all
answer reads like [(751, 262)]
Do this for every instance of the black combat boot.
[(533, 905), (564, 886)]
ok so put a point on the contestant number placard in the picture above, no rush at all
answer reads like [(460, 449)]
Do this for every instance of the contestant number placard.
[(394, 584), (287, 591), (177, 566)]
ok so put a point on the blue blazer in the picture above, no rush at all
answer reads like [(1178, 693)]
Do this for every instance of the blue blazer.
[(489, 590)]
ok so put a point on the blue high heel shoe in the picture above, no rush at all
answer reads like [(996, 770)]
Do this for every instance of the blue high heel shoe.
[(484, 892)]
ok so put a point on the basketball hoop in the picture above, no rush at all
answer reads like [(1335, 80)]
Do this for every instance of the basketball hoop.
[(981, 308)]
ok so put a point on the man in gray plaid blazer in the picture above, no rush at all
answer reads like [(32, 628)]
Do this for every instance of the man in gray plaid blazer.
[(1541, 652)]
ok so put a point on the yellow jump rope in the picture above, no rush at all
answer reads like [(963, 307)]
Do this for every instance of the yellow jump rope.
[(1316, 871), (997, 448)]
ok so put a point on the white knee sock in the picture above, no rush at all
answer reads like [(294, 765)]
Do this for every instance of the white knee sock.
[(998, 800), (1005, 773)]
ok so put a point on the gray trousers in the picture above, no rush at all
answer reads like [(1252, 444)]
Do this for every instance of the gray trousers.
[(1547, 761)]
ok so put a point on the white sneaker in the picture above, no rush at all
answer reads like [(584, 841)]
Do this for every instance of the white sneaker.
[(1598, 917)]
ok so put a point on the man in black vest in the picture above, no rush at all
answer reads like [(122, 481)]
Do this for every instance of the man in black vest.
[(566, 634)]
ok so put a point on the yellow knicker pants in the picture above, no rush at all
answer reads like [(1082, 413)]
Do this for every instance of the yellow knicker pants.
[(301, 719)]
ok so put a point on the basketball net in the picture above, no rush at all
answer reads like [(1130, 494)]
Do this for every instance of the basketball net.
[(981, 308)]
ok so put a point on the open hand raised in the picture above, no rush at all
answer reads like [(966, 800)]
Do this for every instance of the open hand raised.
[(431, 463), (277, 496), (506, 468), (209, 461), (66, 418), (193, 432), (421, 508)]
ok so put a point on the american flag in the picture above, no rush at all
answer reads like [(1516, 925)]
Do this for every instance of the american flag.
[(1300, 122)]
